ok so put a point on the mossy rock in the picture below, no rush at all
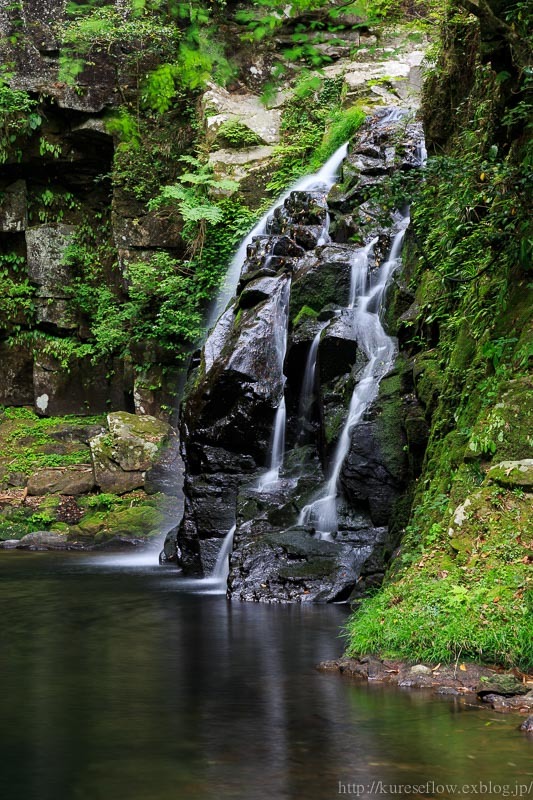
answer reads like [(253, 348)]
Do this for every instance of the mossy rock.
[(429, 380), (503, 430), (513, 474)]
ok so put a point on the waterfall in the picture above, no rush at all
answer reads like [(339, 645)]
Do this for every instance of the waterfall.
[(219, 576), (323, 179), (307, 393), (380, 350), (269, 480), (359, 272)]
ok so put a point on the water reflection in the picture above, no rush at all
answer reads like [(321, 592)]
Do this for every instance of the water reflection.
[(120, 684)]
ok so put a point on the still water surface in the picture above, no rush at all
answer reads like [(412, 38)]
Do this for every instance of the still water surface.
[(120, 683)]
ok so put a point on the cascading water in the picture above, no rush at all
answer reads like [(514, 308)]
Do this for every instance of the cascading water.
[(321, 180), (307, 392), (219, 576), (277, 445), (380, 350), (359, 272)]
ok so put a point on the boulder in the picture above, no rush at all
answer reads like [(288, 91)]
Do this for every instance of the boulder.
[(220, 106), (322, 280), (527, 724), (337, 351), (136, 440), (122, 456), (375, 471), (292, 566), (42, 540), (72, 480)]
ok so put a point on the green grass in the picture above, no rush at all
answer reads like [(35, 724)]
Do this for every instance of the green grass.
[(467, 596)]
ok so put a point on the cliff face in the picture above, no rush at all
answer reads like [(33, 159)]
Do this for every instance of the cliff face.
[(105, 292), (462, 583)]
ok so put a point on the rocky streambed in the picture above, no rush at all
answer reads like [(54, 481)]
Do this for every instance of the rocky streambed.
[(496, 689)]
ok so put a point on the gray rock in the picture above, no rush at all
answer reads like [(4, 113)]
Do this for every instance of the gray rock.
[(513, 474), (73, 480), (42, 540), (257, 291), (85, 389), (527, 724), (9, 544), (132, 446), (420, 669), (46, 247)]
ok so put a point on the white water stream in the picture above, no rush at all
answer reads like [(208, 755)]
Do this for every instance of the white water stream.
[(323, 179), (380, 350)]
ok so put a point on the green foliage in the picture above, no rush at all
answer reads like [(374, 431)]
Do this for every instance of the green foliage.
[(313, 126), (65, 350), (166, 298), (461, 587), (126, 38), (234, 133), (125, 127), (50, 205), (104, 501), (17, 302), (342, 125), (191, 196), (18, 118)]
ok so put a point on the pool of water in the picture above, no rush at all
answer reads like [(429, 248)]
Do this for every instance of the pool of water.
[(118, 682)]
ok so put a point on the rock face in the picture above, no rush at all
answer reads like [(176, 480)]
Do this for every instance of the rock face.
[(256, 357), (62, 480), (122, 457)]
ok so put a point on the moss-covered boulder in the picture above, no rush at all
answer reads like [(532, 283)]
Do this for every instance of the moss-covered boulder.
[(122, 456)]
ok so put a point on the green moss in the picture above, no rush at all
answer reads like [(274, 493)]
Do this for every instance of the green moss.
[(312, 569), (234, 133), (29, 442), (306, 312)]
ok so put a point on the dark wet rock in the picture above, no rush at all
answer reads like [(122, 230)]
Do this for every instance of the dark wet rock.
[(527, 724), (337, 351), (256, 291), (61, 480), (376, 469), (14, 208), (232, 396), (460, 682), (291, 566), (521, 702), (322, 280), (16, 375)]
